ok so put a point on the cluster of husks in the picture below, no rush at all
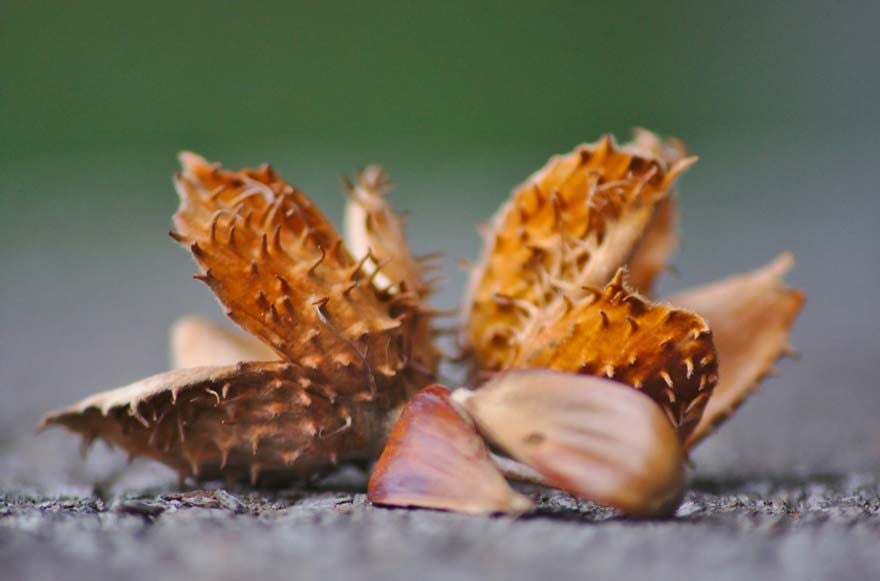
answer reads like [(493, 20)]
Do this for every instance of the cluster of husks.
[(559, 327), (340, 343)]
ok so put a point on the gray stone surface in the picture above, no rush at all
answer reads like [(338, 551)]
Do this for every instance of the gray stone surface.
[(62, 517), (825, 528)]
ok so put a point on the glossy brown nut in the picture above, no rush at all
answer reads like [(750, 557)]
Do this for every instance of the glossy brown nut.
[(435, 458)]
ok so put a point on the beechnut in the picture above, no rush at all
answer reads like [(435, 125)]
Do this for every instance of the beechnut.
[(579, 377)]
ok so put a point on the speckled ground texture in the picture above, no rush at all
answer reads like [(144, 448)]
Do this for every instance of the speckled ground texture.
[(132, 522)]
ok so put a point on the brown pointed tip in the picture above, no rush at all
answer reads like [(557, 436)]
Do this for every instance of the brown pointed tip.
[(597, 439), (434, 458), (46, 422)]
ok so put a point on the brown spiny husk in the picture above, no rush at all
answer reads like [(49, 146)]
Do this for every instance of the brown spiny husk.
[(664, 351), (283, 274), (573, 223), (260, 422), (377, 233), (543, 295)]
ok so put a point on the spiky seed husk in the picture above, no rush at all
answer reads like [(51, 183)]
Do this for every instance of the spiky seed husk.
[(751, 316), (598, 439), (660, 238), (372, 226), (264, 423), (434, 458), (284, 275), (574, 223), (376, 234), (665, 352), (198, 342)]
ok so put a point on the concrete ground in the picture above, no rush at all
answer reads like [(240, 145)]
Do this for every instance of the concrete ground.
[(60, 519)]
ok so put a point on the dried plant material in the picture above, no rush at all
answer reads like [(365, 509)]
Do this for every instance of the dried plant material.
[(283, 274), (375, 232), (595, 438), (574, 223), (373, 227), (646, 143), (665, 352), (257, 422), (198, 342), (556, 309), (517, 471), (660, 240), (751, 317), (434, 458)]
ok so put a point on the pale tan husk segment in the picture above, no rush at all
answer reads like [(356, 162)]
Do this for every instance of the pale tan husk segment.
[(751, 315), (198, 342)]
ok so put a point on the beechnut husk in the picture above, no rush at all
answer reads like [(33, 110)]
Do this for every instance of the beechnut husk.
[(580, 378)]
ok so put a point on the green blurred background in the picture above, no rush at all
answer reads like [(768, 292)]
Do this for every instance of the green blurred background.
[(460, 101)]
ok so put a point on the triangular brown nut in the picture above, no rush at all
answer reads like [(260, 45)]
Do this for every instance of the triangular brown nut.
[(573, 223), (594, 438), (434, 458), (751, 316), (665, 352), (265, 423)]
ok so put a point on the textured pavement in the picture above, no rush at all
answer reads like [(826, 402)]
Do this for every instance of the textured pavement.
[(826, 529), (64, 519)]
